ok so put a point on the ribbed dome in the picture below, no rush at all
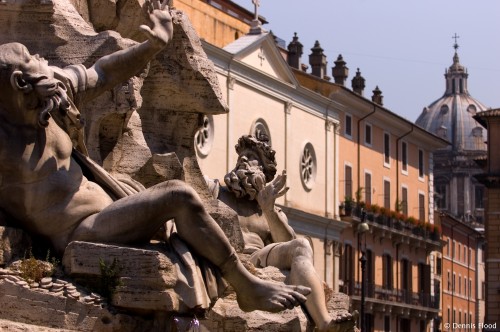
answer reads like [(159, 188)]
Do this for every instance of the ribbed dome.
[(451, 116)]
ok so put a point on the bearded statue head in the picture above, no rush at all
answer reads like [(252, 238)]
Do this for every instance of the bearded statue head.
[(262, 150), (255, 167), (31, 76)]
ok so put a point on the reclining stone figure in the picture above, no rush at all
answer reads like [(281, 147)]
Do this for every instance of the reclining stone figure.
[(251, 191), (43, 187)]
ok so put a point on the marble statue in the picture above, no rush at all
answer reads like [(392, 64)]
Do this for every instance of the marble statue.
[(251, 190), (43, 187)]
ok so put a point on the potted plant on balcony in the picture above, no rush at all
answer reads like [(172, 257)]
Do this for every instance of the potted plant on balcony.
[(428, 228), (382, 217), (342, 209), (369, 212), (399, 221), (411, 223), (419, 228), (359, 208), (348, 205), (393, 218), (435, 232), (375, 211)]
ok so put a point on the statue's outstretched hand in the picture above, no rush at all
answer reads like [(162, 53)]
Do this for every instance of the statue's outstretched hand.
[(268, 193), (161, 31)]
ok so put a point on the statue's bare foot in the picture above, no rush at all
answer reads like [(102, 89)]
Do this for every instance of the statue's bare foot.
[(272, 297)]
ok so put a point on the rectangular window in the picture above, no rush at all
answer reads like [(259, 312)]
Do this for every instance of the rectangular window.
[(348, 181), (448, 246), (453, 282), (404, 200), (421, 207), (347, 275), (449, 281), (441, 196), (470, 256), (424, 281), (387, 194), (348, 125), (387, 323), (368, 134), (370, 272), (438, 266), (423, 326), (387, 149), (404, 157), (387, 282), (459, 284), (368, 188), (479, 197), (406, 275), (420, 163)]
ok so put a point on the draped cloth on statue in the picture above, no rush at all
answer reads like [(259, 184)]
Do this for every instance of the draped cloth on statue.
[(199, 283)]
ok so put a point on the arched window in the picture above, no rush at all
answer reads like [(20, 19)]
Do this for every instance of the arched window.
[(260, 128)]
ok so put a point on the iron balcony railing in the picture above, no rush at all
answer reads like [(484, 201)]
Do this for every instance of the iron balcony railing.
[(392, 295)]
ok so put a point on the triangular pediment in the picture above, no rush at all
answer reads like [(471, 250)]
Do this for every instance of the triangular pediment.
[(261, 53)]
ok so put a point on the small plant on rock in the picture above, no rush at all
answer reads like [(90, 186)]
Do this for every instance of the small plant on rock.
[(109, 277), (34, 270)]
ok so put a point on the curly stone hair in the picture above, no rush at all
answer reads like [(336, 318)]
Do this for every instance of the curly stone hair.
[(264, 151)]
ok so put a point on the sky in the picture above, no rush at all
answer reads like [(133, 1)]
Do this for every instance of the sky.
[(403, 47)]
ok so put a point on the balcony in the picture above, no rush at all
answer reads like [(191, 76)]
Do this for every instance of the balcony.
[(383, 300), (394, 227)]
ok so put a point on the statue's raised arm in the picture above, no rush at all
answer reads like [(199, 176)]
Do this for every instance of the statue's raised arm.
[(119, 66)]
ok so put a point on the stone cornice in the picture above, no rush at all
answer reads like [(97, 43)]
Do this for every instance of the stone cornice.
[(313, 225)]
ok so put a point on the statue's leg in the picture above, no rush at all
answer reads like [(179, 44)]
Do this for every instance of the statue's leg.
[(297, 256), (136, 219)]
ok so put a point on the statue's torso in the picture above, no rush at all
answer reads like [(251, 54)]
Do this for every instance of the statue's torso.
[(256, 232), (41, 185)]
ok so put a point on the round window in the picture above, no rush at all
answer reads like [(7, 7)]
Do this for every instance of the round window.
[(308, 166), (204, 137)]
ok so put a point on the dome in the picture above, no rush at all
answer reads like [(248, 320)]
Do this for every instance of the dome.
[(451, 116)]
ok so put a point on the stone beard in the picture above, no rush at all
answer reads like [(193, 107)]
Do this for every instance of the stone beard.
[(245, 179), (48, 95)]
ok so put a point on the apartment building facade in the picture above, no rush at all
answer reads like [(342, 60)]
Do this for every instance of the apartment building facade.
[(490, 178), (461, 261), (386, 179)]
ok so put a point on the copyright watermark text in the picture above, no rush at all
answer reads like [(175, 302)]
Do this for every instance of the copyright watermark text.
[(482, 326)]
